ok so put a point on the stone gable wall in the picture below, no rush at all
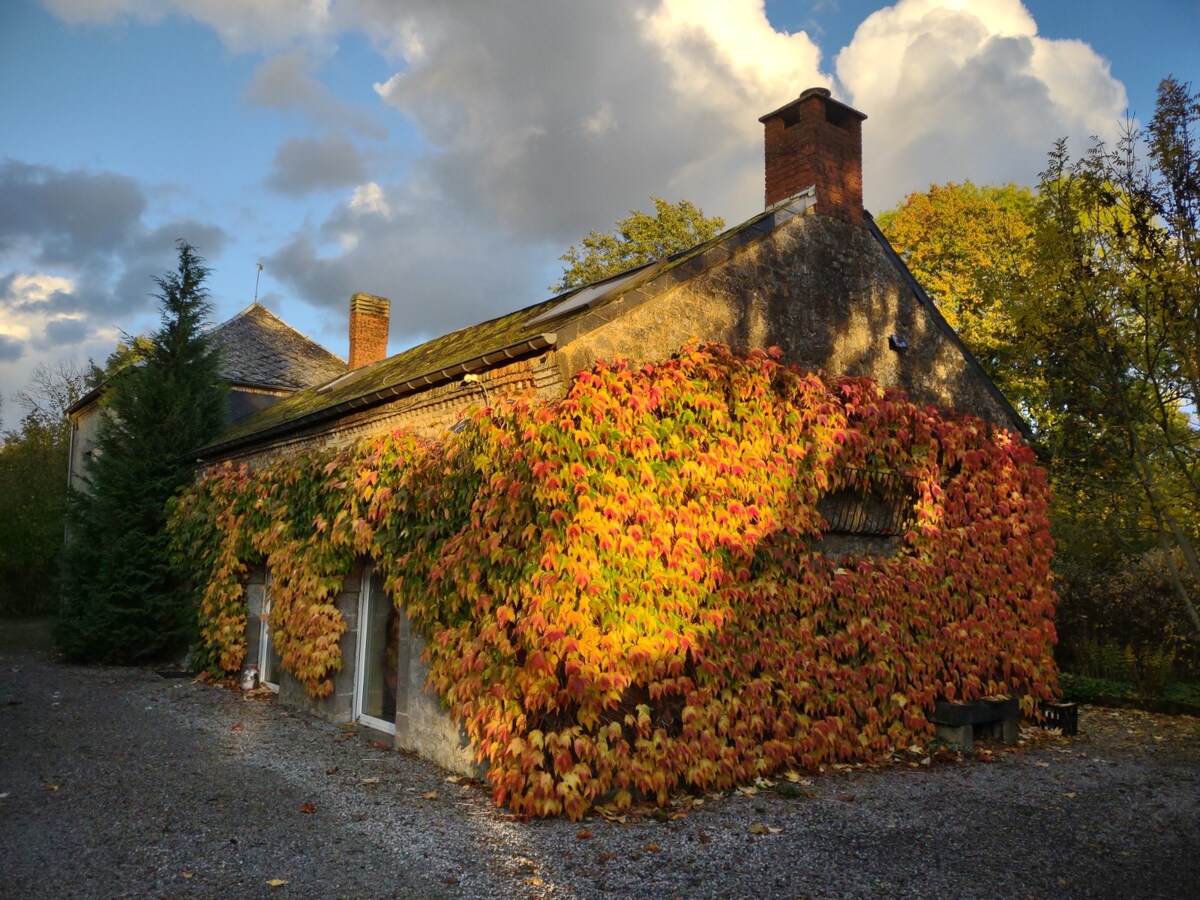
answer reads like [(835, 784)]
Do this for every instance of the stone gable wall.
[(823, 291)]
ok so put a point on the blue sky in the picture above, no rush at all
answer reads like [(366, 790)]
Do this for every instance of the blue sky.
[(445, 154)]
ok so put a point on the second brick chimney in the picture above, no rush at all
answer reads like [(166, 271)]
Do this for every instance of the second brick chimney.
[(368, 329), (815, 141)]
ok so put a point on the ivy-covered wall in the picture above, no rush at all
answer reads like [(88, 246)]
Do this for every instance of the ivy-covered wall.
[(625, 592)]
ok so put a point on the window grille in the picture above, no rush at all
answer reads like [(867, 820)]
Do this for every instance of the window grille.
[(872, 503)]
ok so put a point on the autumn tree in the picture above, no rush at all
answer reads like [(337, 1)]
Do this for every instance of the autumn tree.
[(123, 601), (637, 239), (969, 246), (1118, 246), (33, 490)]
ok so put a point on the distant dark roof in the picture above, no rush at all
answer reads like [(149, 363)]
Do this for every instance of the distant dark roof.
[(259, 349)]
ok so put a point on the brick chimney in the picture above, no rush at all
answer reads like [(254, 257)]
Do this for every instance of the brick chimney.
[(368, 329), (815, 141)]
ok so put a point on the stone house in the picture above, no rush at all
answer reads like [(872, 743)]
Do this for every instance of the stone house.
[(811, 274), (262, 358)]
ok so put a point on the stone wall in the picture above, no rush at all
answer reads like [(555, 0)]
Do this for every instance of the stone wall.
[(423, 726), (825, 292)]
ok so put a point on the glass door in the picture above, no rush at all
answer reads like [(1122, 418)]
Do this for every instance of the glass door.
[(378, 646), (269, 664)]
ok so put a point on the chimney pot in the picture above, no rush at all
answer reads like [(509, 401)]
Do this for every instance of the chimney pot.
[(368, 329), (816, 141)]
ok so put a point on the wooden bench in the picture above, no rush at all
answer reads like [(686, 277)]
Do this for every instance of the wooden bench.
[(961, 723)]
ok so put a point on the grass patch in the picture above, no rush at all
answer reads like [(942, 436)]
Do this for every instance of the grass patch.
[(1179, 696)]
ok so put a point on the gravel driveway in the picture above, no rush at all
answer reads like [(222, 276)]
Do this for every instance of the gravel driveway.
[(117, 782)]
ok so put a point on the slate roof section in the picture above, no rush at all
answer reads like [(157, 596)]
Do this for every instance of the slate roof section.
[(259, 349)]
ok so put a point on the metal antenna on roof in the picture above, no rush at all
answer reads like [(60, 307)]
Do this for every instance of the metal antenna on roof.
[(257, 275)]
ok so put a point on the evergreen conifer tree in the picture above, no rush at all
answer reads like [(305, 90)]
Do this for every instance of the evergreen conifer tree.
[(123, 601)]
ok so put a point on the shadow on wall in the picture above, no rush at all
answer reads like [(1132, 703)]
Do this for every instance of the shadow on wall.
[(830, 297)]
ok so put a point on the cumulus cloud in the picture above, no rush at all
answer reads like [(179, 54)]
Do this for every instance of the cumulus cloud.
[(304, 165), (79, 256), (287, 83), (956, 89), (66, 217), (384, 241), (557, 119)]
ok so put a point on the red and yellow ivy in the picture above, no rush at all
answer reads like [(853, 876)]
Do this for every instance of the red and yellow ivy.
[(625, 592)]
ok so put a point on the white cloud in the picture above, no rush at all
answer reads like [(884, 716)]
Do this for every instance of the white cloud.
[(958, 89), (725, 55), (368, 198), (33, 330)]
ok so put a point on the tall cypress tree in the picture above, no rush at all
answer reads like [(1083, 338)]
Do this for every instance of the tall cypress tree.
[(123, 601)]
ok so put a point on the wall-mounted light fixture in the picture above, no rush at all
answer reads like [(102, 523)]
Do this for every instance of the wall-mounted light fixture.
[(472, 378)]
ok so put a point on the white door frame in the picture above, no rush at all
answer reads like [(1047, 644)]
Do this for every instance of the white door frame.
[(266, 643), (365, 600)]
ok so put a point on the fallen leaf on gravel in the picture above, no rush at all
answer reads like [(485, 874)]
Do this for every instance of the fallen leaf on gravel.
[(381, 745), (846, 798), (4, 795), (760, 828), (370, 781), (703, 838), (1070, 795), (763, 784), (583, 835), (606, 857), (307, 808), (653, 848), (1041, 764), (747, 791), (430, 795), (277, 882), (455, 779), (237, 727), (50, 786), (188, 874)]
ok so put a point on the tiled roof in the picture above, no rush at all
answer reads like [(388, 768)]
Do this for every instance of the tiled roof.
[(261, 350)]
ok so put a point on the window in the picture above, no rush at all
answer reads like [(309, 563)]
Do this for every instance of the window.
[(876, 504), (378, 656)]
